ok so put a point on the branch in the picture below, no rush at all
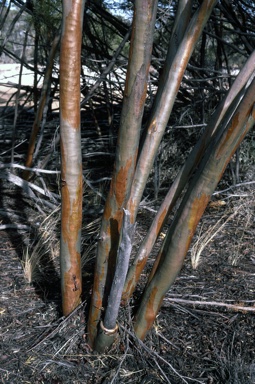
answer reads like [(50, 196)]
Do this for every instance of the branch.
[(239, 307), (107, 69), (27, 186), (13, 165), (15, 226)]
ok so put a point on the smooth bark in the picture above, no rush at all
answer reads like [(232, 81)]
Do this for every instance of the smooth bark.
[(164, 103), (109, 326), (232, 97), (71, 161), (126, 155), (180, 234)]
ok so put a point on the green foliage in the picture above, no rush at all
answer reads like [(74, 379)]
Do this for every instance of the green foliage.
[(46, 18)]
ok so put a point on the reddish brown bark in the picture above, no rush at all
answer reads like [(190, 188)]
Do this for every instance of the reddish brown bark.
[(71, 161), (180, 234), (126, 155), (172, 76), (174, 192)]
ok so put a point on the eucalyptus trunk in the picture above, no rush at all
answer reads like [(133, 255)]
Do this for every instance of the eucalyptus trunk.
[(126, 156), (232, 98), (177, 242), (173, 72), (71, 160)]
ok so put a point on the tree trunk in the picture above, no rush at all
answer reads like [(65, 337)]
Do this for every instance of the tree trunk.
[(71, 161), (176, 245), (126, 155), (184, 175), (166, 95)]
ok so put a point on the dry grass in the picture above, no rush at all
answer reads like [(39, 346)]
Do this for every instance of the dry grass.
[(31, 261), (46, 246), (175, 349), (238, 218), (205, 238), (28, 266)]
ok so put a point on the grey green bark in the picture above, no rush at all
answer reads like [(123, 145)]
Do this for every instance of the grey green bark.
[(162, 107), (175, 247), (232, 97), (126, 155)]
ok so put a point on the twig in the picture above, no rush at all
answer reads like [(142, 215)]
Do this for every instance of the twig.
[(107, 69), (68, 341), (15, 226), (233, 307), (166, 340), (206, 238), (28, 186), (13, 165), (61, 363), (121, 362), (94, 189), (152, 352), (55, 330), (161, 370), (234, 186)]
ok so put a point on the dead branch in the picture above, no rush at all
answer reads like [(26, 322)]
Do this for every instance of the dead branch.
[(238, 307)]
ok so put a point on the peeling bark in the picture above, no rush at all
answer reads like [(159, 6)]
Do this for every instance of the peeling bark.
[(180, 234), (172, 76), (223, 112), (71, 160), (126, 155)]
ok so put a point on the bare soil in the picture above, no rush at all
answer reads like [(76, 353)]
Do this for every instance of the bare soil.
[(204, 332)]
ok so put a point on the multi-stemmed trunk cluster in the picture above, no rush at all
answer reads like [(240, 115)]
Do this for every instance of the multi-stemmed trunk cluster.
[(206, 163), (115, 279)]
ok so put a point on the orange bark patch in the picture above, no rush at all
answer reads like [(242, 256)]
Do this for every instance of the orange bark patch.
[(197, 209), (128, 292), (72, 289), (70, 246), (150, 312), (152, 127), (139, 267), (131, 283), (96, 306), (140, 94), (156, 263), (71, 216), (161, 220), (107, 210), (70, 66), (120, 185), (96, 291), (131, 206)]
